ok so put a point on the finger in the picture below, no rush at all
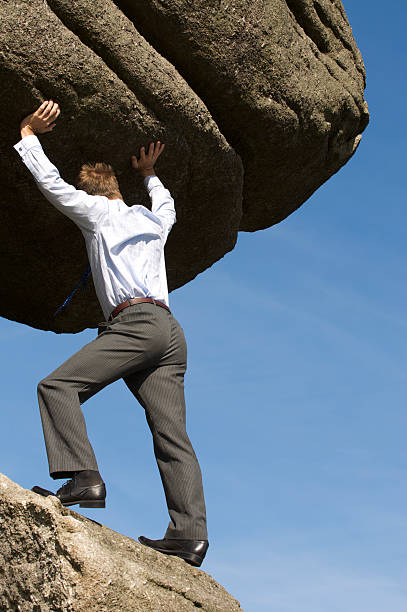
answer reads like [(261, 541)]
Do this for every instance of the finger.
[(134, 161), (159, 148), (46, 109), (151, 150), (55, 112), (153, 154), (142, 154), (41, 107), (50, 113)]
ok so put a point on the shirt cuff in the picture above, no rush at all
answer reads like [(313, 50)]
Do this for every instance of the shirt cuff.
[(25, 144), (152, 181)]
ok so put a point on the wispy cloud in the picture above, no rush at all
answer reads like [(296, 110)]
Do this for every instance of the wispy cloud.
[(346, 316)]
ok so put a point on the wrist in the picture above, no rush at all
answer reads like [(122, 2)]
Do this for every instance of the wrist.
[(145, 172), (26, 130)]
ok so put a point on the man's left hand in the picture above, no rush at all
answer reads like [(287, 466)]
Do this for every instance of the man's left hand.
[(42, 120)]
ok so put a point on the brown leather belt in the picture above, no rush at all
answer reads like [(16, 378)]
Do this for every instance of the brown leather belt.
[(132, 301)]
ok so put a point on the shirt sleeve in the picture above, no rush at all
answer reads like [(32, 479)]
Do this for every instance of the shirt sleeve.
[(85, 210), (162, 203)]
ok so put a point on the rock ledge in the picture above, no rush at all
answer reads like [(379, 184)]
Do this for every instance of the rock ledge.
[(55, 560)]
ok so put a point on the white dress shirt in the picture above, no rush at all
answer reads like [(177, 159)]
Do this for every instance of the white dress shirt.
[(125, 244)]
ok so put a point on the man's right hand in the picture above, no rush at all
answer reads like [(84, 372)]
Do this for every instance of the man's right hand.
[(42, 120), (145, 163)]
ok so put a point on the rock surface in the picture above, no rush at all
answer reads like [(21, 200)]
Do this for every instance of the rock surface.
[(283, 79), (54, 560), (258, 101)]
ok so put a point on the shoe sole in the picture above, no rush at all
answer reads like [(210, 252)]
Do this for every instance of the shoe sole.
[(83, 503), (190, 558)]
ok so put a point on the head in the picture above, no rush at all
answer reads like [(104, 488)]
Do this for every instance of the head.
[(99, 179)]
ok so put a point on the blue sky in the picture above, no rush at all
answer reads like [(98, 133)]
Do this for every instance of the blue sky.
[(296, 386)]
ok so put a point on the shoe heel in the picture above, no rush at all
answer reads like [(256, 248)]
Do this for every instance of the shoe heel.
[(192, 559), (93, 504)]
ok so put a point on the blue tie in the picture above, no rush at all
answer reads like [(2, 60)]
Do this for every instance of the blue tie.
[(70, 296)]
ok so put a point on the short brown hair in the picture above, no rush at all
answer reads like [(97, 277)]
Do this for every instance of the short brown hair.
[(99, 179)]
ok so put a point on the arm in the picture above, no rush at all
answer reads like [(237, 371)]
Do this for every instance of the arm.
[(83, 209), (162, 204)]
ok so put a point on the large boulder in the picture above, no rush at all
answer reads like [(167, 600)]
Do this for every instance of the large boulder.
[(55, 560), (258, 103), (283, 79)]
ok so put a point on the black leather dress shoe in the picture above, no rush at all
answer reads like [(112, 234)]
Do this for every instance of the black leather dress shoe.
[(41, 491), (192, 551), (72, 493)]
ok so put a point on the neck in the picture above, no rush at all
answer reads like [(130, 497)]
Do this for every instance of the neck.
[(116, 196)]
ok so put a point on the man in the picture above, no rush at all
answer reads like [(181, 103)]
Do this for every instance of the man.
[(140, 341)]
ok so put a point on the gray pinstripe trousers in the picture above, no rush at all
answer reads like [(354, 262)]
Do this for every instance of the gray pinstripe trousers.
[(146, 347)]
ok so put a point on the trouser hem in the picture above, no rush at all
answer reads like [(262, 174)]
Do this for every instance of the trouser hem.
[(58, 474), (190, 534)]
